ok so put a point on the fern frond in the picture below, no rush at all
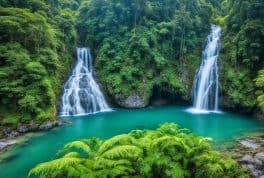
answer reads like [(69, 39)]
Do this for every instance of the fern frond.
[(168, 128), (72, 155), (123, 152), (78, 145), (124, 139), (102, 163), (46, 169), (176, 171)]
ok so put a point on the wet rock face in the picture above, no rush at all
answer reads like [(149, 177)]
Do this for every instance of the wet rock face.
[(48, 125), (9, 133), (134, 100), (259, 114), (6, 143), (260, 156), (249, 144), (249, 153), (227, 104), (8, 136), (85, 99), (253, 164)]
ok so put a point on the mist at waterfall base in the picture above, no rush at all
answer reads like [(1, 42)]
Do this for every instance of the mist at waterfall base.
[(81, 93), (206, 82), (43, 147)]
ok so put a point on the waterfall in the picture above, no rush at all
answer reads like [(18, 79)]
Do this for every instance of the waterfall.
[(81, 93), (206, 82)]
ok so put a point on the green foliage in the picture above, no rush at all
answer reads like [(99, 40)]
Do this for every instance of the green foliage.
[(136, 42), (165, 152), (37, 38), (243, 51), (260, 91)]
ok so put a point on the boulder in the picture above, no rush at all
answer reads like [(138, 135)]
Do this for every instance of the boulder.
[(22, 128), (250, 160), (260, 156), (48, 125), (5, 143), (249, 144), (32, 126), (13, 134), (134, 100), (252, 169), (247, 159)]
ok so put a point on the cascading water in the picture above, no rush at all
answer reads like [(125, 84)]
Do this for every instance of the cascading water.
[(82, 94), (206, 82)]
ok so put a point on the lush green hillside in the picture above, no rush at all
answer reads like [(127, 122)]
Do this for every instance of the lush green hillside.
[(144, 44), (242, 54), (138, 46), (36, 47), (165, 152)]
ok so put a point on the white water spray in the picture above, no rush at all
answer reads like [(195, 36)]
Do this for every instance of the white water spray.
[(82, 94), (206, 82)]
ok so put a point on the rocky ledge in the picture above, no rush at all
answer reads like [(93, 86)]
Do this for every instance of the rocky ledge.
[(249, 152), (8, 134), (134, 100), (5, 143)]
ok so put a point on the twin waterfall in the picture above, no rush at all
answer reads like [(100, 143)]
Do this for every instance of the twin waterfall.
[(206, 82), (82, 94)]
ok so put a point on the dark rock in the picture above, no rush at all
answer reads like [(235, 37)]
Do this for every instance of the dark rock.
[(260, 156), (48, 125), (259, 114), (13, 134), (85, 99), (226, 103), (252, 169), (22, 128), (134, 100), (247, 159), (249, 144), (32, 126)]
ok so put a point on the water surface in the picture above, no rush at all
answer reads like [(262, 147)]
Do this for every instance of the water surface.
[(43, 147)]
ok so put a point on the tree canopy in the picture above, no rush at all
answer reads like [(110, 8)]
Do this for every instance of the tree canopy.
[(36, 45)]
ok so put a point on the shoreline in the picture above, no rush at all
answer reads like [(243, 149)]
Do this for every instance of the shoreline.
[(10, 136), (248, 151)]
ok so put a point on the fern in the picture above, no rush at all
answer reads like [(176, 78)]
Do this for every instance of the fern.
[(102, 163), (166, 152), (117, 140), (46, 169), (78, 145), (72, 155), (123, 151)]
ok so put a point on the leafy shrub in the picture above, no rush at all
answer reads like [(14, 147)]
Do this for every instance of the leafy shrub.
[(165, 152)]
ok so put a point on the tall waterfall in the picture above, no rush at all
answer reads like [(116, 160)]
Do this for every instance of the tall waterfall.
[(82, 94), (206, 82)]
